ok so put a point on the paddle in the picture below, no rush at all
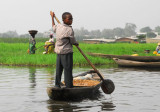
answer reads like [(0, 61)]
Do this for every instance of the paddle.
[(107, 85)]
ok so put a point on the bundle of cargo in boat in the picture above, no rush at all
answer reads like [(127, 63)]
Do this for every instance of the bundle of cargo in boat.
[(79, 82)]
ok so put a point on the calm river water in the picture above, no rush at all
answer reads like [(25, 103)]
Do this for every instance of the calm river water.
[(23, 89)]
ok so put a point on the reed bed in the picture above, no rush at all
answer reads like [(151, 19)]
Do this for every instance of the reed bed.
[(16, 53), (20, 40)]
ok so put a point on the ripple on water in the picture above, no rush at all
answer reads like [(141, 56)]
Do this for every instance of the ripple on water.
[(24, 90)]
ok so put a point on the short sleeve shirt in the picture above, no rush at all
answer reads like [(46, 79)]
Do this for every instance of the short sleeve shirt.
[(64, 38)]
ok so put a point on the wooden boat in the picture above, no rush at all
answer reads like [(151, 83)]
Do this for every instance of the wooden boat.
[(128, 57), (130, 63), (77, 92)]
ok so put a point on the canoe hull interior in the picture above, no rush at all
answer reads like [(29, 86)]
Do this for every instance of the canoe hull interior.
[(75, 93)]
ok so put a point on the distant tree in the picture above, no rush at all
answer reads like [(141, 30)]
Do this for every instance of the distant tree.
[(129, 29), (24, 35), (118, 32), (10, 34), (107, 33), (146, 29), (28, 35), (39, 34), (151, 35), (157, 29), (96, 33), (81, 32), (141, 37)]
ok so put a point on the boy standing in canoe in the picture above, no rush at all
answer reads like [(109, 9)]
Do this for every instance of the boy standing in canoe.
[(64, 41)]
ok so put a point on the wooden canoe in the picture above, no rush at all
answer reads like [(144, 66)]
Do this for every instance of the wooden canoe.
[(128, 57), (130, 63), (77, 92)]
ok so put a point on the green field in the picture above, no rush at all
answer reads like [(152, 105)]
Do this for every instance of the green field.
[(16, 53)]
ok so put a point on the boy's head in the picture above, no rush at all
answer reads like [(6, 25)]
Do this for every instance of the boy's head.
[(67, 18)]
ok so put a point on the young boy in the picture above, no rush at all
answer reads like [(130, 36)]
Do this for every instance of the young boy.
[(64, 41)]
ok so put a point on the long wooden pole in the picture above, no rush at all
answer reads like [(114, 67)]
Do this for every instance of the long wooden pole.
[(99, 74), (57, 19)]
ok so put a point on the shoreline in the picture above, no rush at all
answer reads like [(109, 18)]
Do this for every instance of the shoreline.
[(74, 65)]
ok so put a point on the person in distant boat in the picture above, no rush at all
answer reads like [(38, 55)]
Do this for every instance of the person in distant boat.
[(64, 41), (49, 45), (158, 48)]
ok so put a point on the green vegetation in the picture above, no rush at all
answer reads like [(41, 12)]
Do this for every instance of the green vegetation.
[(16, 53), (20, 40)]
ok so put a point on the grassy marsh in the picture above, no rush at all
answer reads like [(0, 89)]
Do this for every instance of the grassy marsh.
[(16, 53)]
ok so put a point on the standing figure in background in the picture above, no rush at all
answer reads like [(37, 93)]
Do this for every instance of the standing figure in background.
[(32, 41), (32, 47), (63, 48)]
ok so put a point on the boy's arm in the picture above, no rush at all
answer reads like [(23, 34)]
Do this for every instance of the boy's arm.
[(72, 38), (73, 41)]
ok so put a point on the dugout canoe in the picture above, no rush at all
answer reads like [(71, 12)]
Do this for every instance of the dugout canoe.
[(77, 92), (129, 63), (128, 57)]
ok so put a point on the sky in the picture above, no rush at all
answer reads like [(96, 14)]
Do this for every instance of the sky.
[(24, 15)]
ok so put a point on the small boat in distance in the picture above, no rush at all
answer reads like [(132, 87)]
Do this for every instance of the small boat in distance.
[(130, 63), (77, 92), (128, 57)]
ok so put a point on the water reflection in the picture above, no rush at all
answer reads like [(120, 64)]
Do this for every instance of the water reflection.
[(32, 77), (24, 90), (90, 106), (50, 76), (57, 106), (107, 106)]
